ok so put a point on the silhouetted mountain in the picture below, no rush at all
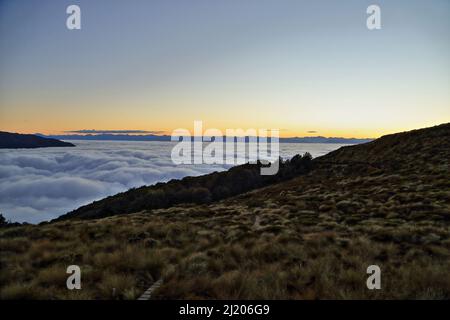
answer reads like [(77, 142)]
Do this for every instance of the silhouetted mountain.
[(151, 137), (16, 140)]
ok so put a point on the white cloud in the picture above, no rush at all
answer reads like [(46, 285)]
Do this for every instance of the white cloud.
[(41, 184)]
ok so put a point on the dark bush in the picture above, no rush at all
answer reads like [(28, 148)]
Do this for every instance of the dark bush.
[(203, 189)]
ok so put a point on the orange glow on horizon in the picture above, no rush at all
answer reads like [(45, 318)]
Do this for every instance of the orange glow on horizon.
[(341, 133)]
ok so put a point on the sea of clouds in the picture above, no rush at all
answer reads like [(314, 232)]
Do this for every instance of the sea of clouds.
[(41, 184)]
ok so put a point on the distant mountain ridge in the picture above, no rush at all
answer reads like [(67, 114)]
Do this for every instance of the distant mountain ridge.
[(10, 140), (152, 137)]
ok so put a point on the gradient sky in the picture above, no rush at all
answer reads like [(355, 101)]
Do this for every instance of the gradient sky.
[(295, 65)]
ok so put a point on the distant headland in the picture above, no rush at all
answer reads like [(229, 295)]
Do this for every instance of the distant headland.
[(10, 140)]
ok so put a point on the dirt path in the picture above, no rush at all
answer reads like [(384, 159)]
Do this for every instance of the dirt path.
[(148, 293)]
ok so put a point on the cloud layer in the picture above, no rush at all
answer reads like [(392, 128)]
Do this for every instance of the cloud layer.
[(41, 184)]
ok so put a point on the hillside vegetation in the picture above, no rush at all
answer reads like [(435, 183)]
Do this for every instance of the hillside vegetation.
[(386, 202)]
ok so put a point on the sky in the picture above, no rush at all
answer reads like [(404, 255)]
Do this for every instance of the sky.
[(303, 67)]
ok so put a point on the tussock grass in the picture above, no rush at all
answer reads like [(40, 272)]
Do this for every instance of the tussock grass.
[(311, 237)]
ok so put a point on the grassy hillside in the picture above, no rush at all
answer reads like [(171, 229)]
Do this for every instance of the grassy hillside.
[(386, 202), (15, 140)]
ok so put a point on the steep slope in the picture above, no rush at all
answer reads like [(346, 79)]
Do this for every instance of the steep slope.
[(311, 237), (403, 177), (408, 149), (202, 189), (423, 145), (386, 202)]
